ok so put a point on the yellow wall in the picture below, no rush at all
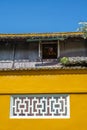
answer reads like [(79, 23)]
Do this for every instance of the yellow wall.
[(55, 81)]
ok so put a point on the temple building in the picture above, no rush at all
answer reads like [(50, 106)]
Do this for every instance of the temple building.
[(25, 51), (43, 81)]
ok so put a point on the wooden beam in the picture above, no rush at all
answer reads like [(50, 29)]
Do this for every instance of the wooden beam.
[(58, 49), (39, 48)]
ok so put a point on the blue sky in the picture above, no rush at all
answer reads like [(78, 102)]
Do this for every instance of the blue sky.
[(39, 16)]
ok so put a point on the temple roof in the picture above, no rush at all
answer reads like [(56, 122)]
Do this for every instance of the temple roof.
[(42, 35)]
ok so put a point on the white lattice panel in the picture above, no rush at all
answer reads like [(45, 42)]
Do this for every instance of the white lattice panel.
[(40, 106)]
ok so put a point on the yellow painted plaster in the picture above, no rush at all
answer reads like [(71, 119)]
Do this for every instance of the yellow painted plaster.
[(75, 84), (77, 120), (43, 82)]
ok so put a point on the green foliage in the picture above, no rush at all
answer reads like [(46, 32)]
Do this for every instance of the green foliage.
[(64, 60), (83, 28)]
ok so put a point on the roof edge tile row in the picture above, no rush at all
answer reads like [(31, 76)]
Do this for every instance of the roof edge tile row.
[(43, 34)]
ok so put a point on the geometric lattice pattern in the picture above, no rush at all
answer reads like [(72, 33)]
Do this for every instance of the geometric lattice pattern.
[(40, 106)]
